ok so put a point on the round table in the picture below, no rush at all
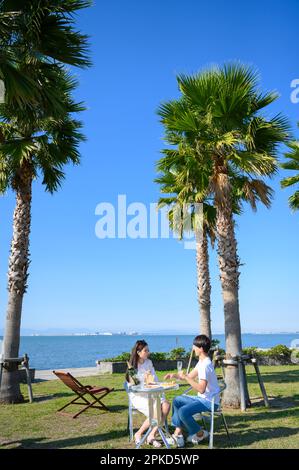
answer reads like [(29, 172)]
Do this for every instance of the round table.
[(154, 400)]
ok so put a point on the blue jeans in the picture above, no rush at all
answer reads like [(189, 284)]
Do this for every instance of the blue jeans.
[(183, 409)]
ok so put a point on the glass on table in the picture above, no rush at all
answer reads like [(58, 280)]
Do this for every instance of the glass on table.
[(179, 366)]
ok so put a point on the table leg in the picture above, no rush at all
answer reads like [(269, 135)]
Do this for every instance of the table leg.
[(163, 438), (150, 418), (144, 437)]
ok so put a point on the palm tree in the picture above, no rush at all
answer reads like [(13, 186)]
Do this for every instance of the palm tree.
[(34, 32), (292, 164), (182, 190), (39, 136), (219, 115), (182, 184)]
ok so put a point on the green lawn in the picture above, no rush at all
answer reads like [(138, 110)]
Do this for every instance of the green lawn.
[(37, 425)]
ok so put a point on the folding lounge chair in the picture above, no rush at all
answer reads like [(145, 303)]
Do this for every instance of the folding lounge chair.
[(83, 392)]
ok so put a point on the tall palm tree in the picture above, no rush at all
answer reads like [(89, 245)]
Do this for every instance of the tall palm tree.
[(219, 114), (292, 164), (38, 136), (34, 32), (182, 190), (182, 184)]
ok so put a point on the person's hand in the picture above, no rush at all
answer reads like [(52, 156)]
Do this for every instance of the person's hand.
[(182, 375), (168, 376)]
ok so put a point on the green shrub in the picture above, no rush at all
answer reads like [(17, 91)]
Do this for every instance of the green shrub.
[(252, 350), (280, 350), (125, 356), (177, 353), (215, 343), (158, 356), (180, 353)]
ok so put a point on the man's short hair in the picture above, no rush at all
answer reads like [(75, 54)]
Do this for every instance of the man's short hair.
[(202, 341)]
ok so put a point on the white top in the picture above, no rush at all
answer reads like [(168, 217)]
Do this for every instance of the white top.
[(147, 366), (206, 372)]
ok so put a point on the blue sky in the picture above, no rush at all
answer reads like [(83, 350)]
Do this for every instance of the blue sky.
[(79, 281)]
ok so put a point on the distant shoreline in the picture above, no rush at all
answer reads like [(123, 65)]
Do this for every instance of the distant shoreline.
[(146, 334)]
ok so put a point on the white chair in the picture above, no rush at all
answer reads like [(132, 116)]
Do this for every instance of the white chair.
[(132, 410), (210, 415)]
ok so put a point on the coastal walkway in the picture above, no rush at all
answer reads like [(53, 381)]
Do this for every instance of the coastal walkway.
[(76, 372)]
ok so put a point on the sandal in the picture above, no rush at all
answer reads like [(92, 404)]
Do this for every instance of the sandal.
[(154, 442)]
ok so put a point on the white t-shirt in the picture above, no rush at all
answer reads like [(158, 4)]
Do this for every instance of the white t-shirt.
[(206, 372), (147, 366)]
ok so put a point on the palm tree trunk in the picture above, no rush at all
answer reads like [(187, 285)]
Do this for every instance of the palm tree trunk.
[(229, 276), (203, 284), (17, 283)]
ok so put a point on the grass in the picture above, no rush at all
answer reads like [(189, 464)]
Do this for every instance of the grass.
[(37, 425)]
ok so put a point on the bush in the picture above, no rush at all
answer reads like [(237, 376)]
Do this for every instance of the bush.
[(215, 343), (280, 350), (177, 353), (125, 356), (180, 353), (252, 350), (158, 356), (220, 351)]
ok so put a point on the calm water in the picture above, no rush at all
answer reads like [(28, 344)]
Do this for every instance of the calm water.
[(50, 352)]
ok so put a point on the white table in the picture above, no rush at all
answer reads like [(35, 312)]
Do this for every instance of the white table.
[(154, 398)]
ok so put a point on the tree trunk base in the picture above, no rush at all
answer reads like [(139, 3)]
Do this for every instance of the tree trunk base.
[(231, 395), (10, 387)]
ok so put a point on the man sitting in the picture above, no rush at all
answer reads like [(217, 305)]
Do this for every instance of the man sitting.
[(184, 407)]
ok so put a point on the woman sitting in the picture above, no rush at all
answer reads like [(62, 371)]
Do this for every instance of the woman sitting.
[(141, 362)]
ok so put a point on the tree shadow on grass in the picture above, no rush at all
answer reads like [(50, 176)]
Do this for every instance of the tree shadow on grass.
[(73, 442), (72, 409), (53, 396), (247, 419), (245, 437), (289, 376), (277, 402)]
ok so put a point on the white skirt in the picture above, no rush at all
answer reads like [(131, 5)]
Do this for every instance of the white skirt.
[(140, 402)]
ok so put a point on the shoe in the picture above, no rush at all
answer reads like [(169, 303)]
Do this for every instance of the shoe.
[(195, 439), (137, 440), (153, 442), (170, 441), (179, 440)]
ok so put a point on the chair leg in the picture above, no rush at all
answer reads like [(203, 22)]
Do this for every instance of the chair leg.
[(130, 423), (166, 426), (204, 422), (74, 401), (211, 430), (225, 425)]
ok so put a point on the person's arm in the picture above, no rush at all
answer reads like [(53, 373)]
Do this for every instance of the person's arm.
[(178, 376), (198, 386), (201, 384)]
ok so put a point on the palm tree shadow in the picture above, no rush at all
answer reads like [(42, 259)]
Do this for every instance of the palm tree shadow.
[(245, 437), (279, 377), (42, 398), (283, 403), (70, 442)]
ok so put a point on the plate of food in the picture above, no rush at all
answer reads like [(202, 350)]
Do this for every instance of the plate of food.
[(152, 385), (168, 384)]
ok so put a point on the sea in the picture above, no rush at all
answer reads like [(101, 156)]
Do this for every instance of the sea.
[(62, 352)]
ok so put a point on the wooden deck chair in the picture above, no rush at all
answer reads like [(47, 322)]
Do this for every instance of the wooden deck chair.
[(83, 392)]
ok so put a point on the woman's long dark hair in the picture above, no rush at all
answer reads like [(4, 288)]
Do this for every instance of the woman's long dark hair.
[(139, 345)]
